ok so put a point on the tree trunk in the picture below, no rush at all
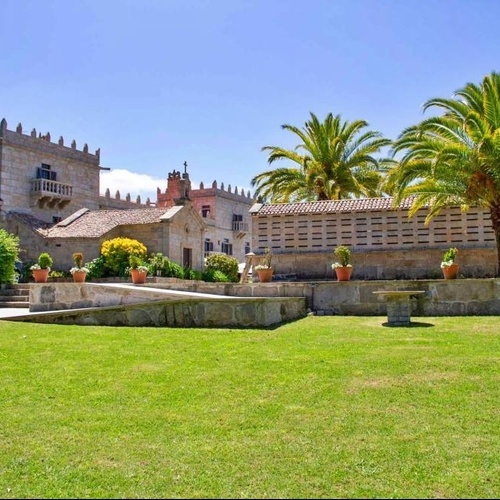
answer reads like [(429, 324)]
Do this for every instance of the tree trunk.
[(495, 223)]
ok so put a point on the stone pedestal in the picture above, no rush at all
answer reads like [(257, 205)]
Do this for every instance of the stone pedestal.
[(398, 305)]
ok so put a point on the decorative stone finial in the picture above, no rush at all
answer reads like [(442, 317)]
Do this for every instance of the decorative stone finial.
[(73, 144), (19, 128), (3, 124), (61, 141), (85, 148)]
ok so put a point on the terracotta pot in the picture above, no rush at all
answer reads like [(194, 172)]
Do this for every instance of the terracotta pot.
[(79, 276), (265, 275), (40, 275), (450, 272), (138, 277), (343, 273)]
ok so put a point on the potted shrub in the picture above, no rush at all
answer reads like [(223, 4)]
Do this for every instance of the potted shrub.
[(448, 265), (79, 272), (343, 269), (264, 268), (138, 270), (41, 270)]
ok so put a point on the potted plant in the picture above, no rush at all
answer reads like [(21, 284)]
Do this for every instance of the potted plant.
[(448, 265), (343, 269), (79, 272), (41, 270), (264, 268), (138, 270)]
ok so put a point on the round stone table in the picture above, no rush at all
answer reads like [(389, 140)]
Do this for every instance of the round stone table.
[(398, 305)]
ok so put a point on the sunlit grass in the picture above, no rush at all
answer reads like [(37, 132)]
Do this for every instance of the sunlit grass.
[(321, 407)]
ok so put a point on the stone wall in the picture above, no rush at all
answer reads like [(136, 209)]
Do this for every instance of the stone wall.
[(385, 244), (125, 305), (458, 297)]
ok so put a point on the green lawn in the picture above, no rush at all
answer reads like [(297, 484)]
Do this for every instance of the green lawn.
[(324, 407)]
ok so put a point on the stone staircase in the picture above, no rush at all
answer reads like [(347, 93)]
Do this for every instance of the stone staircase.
[(15, 295)]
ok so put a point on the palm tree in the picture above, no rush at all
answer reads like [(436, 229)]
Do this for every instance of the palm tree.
[(453, 159), (333, 161)]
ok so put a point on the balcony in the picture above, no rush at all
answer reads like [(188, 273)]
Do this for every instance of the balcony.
[(47, 193), (240, 228)]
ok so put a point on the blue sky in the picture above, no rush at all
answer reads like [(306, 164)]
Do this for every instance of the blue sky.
[(154, 83)]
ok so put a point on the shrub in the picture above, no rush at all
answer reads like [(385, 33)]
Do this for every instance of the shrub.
[(224, 263), (173, 270), (116, 253), (214, 276), (9, 253), (96, 268), (344, 254)]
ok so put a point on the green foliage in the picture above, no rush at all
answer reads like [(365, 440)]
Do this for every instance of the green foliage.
[(96, 268), (333, 160), (344, 255), (135, 261), (214, 276), (45, 260), (9, 254), (224, 263), (156, 263), (191, 274), (453, 158), (117, 252), (173, 270), (450, 255)]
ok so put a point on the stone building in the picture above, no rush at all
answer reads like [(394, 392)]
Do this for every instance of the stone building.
[(224, 211), (51, 199)]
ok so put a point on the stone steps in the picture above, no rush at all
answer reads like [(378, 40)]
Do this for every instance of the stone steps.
[(17, 295)]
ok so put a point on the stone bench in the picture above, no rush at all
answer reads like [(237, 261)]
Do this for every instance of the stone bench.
[(398, 305)]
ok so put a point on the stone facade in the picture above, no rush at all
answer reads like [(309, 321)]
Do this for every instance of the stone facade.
[(45, 186), (224, 211)]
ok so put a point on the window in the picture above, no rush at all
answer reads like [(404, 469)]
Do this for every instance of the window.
[(45, 172), (247, 247), (205, 211), (209, 247), (227, 247)]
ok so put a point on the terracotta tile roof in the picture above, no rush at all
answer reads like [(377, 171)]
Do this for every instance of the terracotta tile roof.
[(94, 224), (31, 221), (330, 206)]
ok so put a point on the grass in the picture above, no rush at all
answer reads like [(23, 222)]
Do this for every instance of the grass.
[(324, 407)]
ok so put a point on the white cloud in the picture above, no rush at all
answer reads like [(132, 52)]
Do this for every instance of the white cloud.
[(135, 184)]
